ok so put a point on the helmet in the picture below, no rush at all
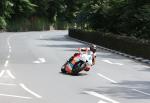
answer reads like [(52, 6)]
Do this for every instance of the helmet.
[(93, 48)]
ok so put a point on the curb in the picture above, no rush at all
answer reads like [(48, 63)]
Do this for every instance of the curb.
[(139, 59)]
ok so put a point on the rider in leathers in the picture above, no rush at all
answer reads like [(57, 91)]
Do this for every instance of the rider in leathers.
[(89, 50)]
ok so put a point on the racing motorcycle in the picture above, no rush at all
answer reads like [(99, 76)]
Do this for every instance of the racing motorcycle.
[(82, 62)]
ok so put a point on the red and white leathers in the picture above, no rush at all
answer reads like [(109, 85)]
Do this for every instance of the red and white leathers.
[(89, 52), (80, 56), (73, 60)]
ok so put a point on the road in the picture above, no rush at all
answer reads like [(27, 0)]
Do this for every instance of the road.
[(30, 65)]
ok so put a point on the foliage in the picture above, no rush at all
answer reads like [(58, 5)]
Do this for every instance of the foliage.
[(2, 23), (123, 17), (22, 8)]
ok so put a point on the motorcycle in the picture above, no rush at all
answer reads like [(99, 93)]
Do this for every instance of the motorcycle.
[(82, 62)]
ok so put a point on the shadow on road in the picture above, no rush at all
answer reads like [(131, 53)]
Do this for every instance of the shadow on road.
[(61, 42), (110, 55), (58, 38), (80, 74), (125, 89), (146, 69), (64, 46)]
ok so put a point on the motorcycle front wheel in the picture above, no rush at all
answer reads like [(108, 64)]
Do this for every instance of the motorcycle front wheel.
[(63, 69)]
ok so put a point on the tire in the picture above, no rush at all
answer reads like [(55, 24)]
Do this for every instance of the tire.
[(63, 69), (77, 67), (75, 73)]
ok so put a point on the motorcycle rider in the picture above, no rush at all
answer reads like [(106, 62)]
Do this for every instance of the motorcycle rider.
[(88, 50)]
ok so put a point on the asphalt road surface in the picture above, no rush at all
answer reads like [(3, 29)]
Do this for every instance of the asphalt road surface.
[(30, 65)]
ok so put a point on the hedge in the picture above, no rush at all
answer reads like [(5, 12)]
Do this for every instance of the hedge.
[(132, 46)]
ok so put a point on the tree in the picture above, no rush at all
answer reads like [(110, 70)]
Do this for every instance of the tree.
[(23, 8), (124, 17), (5, 12)]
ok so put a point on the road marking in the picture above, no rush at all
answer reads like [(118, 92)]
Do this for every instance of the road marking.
[(6, 63), (106, 78), (10, 74), (37, 62), (7, 84), (8, 43), (101, 101), (42, 60), (107, 61), (8, 56), (31, 92), (15, 96), (100, 96), (146, 66), (9, 50), (141, 92), (2, 72)]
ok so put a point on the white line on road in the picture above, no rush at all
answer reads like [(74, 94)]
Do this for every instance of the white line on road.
[(10, 50), (15, 96), (9, 45), (8, 39), (141, 92), (36, 62), (42, 60), (6, 63), (2, 72), (8, 56), (101, 101), (7, 84), (10, 74), (100, 96), (107, 61), (31, 92), (106, 78), (146, 66)]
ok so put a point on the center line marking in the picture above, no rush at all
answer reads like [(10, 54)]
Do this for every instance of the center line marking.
[(7, 84), (15, 96), (9, 50), (6, 63), (42, 60), (101, 101), (141, 92), (106, 78), (28, 90), (37, 62), (8, 56)]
